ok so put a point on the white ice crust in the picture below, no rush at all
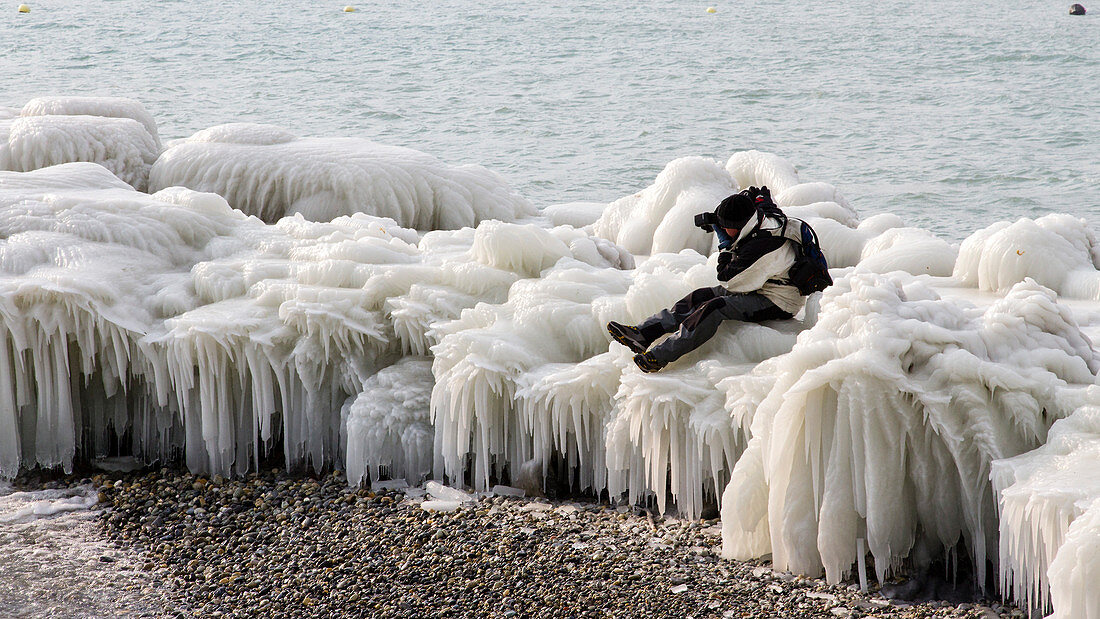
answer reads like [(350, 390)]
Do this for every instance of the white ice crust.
[(105, 107), (268, 172), (116, 133), (195, 325), (1050, 518), (910, 406), (884, 419)]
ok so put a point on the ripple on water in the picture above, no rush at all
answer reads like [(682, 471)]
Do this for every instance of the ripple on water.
[(838, 88)]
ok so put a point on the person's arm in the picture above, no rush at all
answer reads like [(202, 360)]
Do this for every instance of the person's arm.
[(754, 263)]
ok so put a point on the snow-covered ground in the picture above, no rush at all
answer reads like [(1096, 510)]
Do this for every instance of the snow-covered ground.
[(415, 319)]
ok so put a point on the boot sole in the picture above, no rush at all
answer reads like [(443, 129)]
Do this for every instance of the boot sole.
[(646, 367), (624, 340)]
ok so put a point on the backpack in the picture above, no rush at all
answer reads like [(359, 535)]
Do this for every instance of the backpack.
[(810, 272)]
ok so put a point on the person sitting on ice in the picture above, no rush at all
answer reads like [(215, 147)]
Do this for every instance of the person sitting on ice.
[(754, 261)]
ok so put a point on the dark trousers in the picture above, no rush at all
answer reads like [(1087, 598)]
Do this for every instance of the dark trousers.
[(696, 317)]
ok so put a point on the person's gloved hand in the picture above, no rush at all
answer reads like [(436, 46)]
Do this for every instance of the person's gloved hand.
[(725, 241), (724, 258)]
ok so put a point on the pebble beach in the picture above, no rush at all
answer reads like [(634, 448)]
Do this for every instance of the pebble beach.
[(275, 545)]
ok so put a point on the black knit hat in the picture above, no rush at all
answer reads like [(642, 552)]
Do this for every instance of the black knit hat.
[(735, 211)]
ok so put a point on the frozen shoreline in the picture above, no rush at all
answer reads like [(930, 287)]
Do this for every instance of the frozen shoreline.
[(178, 325)]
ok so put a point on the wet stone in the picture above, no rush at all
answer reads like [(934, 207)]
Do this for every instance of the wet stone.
[(276, 546)]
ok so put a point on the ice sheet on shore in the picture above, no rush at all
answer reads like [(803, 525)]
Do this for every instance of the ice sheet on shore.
[(181, 324), (27, 506), (56, 562)]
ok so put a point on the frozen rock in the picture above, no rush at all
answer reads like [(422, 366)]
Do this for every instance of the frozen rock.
[(108, 107), (1057, 251), (268, 172), (446, 493), (440, 505), (508, 491), (122, 145), (952, 386)]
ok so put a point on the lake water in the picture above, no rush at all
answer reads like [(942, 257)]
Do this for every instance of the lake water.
[(949, 114), (55, 562)]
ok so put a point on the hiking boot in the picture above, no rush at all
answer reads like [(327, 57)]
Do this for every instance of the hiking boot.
[(648, 363), (628, 336)]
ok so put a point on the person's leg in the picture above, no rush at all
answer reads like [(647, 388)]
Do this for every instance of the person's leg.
[(669, 320), (638, 338), (703, 323)]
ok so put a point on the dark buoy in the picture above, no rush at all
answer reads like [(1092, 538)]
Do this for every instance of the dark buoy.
[(1077, 9)]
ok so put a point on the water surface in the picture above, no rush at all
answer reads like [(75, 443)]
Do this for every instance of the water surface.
[(950, 114)]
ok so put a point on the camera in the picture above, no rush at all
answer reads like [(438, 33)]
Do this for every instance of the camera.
[(706, 221)]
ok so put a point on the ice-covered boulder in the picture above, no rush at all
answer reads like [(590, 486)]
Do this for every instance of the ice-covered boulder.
[(1050, 519), (268, 172), (884, 419), (1058, 251), (755, 168), (117, 133), (843, 245), (576, 214), (122, 145), (660, 218), (912, 250), (106, 107)]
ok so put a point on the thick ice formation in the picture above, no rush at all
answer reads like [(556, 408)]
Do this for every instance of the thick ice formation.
[(118, 134), (189, 324), (885, 418), (179, 324), (660, 218), (535, 377), (1074, 571), (388, 429), (268, 172), (107, 107), (1058, 251), (1050, 518)]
